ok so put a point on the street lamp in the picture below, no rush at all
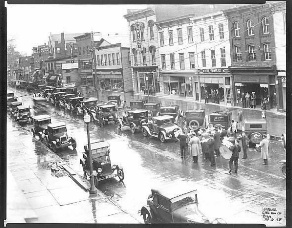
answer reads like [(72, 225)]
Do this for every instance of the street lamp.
[(93, 190), (147, 83)]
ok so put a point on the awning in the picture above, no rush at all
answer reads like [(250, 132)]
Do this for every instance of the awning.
[(264, 85), (239, 84), (86, 76)]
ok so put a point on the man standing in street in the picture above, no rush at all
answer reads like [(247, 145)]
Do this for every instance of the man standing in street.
[(195, 147), (183, 144), (235, 155), (211, 144), (217, 141), (244, 143), (205, 147), (264, 144), (253, 100)]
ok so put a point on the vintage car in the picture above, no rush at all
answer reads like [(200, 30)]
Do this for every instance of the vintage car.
[(10, 100), (56, 137), (220, 117), (89, 105), (55, 97), (255, 129), (102, 167), (134, 119), (137, 105), (40, 125), (64, 100), (71, 90), (12, 107), (174, 204), (31, 87), (60, 89), (22, 114), (21, 84), (39, 101), (106, 113), (47, 92), (161, 127), (153, 108), (10, 94), (195, 119), (114, 100), (74, 105), (173, 111)]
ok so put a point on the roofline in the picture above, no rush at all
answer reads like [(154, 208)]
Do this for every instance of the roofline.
[(60, 58), (128, 15), (81, 36)]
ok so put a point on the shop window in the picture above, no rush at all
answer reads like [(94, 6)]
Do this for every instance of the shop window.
[(105, 59), (202, 34), (250, 28), (113, 59), (265, 25), (172, 63), (213, 58), (267, 52), (192, 60), (180, 36), (203, 57), (221, 31), (190, 34), (109, 59), (182, 61), (118, 58), (211, 32), (151, 26), (161, 37), (251, 53), (163, 63), (236, 29), (170, 34), (237, 54), (223, 57)]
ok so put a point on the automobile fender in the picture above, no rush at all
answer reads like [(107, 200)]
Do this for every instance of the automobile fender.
[(164, 133), (133, 124), (145, 209), (54, 142), (147, 129)]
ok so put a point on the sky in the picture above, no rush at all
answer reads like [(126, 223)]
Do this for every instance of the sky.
[(30, 25)]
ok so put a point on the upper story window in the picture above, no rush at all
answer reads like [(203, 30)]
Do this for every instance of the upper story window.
[(213, 58), (163, 63), (109, 59), (202, 34), (151, 29), (133, 31), (181, 61), (236, 29), (221, 31), (265, 25), (161, 37), (192, 60), (98, 60), (170, 34), (267, 52), (251, 53), (79, 50), (105, 59), (180, 36), (113, 59), (118, 58), (237, 53), (152, 50), (134, 51), (190, 34), (172, 63), (250, 28), (144, 56), (203, 57), (223, 57), (211, 32)]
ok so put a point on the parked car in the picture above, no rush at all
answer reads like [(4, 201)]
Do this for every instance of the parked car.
[(10, 100), (101, 162), (55, 97), (115, 100), (137, 105), (57, 137), (71, 90), (47, 92), (174, 204), (195, 119), (64, 100), (173, 111), (12, 107), (60, 89), (134, 119), (74, 105), (107, 113), (22, 114), (40, 125), (154, 108), (222, 118), (161, 127), (89, 105), (255, 129)]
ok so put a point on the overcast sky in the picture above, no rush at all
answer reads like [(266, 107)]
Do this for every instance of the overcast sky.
[(30, 25)]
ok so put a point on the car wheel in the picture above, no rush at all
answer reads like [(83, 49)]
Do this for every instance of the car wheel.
[(133, 129), (54, 148), (161, 138), (144, 132), (194, 124), (147, 217), (73, 144), (284, 170), (256, 137), (121, 175)]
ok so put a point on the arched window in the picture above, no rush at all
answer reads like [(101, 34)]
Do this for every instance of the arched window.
[(144, 55), (133, 31), (134, 51), (151, 26), (236, 29), (249, 28), (265, 25), (152, 50)]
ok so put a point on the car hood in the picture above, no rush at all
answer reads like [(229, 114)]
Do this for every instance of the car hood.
[(169, 114), (169, 126), (191, 213), (60, 135)]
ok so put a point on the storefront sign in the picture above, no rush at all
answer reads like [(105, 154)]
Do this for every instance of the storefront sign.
[(251, 79), (110, 72), (214, 70)]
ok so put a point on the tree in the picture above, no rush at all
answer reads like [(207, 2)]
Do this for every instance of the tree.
[(12, 55)]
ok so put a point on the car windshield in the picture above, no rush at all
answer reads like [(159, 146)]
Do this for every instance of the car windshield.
[(23, 110), (59, 130), (183, 200), (167, 110), (109, 109), (166, 121), (44, 122), (194, 114), (90, 104)]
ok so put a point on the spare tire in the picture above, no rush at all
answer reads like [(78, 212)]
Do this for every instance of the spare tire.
[(256, 137), (194, 124)]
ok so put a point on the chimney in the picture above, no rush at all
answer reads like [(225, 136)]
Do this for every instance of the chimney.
[(62, 38)]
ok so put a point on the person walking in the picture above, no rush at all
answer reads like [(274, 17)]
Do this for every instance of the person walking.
[(264, 144), (247, 100), (244, 144), (205, 147), (195, 147), (124, 104), (206, 96), (183, 144), (211, 144), (253, 100), (243, 100), (235, 148), (217, 141)]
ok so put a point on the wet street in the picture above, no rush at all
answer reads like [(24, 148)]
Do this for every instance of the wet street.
[(148, 163)]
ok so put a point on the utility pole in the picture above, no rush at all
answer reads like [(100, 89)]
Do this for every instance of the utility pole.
[(94, 62)]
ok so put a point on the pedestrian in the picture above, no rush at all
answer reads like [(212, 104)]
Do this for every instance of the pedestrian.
[(205, 147), (124, 105), (183, 144), (243, 100), (264, 144), (247, 100), (253, 100), (195, 147), (284, 140), (235, 148), (244, 144), (211, 144), (217, 141), (206, 96)]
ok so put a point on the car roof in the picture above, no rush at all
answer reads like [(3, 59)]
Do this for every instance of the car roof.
[(54, 125), (22, 107), (168, 107), (107, 106), (41, 117), (75, 98), (99, 144), (163, 117), (16, 103), (91, 99), (173, 190), (255, 121), (70, 94), (39, 98), (220, 113), (199, 110), (150, 104), (138, 111)]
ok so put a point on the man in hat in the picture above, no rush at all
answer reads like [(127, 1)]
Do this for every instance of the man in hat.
[(205, 147), (217, 140), (183, 144), (235, 155), (264, 144), (195, 147), (211, 147), (253, 100), (244, 143)]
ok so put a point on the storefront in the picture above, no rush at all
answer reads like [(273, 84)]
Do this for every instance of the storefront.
[(146, 80), (111, 81), (86, 78), (281, 91)]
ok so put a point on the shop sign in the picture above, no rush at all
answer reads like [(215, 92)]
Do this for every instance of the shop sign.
[(214, 70), (110, 72), (251, 79)]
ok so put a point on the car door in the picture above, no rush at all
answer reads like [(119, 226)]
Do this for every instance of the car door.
[(163, 209)]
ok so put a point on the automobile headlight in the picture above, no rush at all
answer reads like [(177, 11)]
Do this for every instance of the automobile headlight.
[(99, 170), (57, 140)]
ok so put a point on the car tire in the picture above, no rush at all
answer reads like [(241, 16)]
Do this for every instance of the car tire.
[(256, 137), (147, 217), (73, 144), (120, 173), (161, 138), (133, 129), (194, 124), (144, 132)]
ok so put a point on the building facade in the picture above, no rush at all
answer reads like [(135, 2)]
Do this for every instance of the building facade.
[(113, 71), (253, 62), (40, 54), (195, 55)]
